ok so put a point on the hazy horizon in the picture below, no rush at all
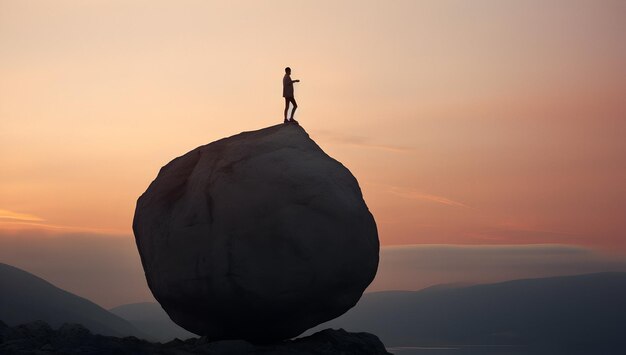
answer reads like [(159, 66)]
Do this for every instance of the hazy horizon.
[(107, 269)]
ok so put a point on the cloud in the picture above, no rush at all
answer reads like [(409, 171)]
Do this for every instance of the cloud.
[(12, 221), (10, 215), (415, 195), (413, 267), (358, 141)]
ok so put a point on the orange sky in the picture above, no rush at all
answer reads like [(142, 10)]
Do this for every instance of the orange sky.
[(483, 122)]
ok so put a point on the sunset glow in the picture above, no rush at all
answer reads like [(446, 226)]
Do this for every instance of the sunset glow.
[(496, 123)]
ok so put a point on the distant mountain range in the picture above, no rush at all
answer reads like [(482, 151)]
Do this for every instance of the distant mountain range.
[(574, 311), (25, 298), (579, 311), (582, 311)]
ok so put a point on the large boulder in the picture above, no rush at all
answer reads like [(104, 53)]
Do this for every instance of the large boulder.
[(258, 236)]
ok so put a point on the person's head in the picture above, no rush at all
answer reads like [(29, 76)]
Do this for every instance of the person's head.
[(287, 70)]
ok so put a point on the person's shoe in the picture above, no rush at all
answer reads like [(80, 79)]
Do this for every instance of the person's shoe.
[(293, 121), (286, 121)]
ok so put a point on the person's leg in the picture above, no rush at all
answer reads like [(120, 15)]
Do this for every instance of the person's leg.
[(295, 106), (286, 107)]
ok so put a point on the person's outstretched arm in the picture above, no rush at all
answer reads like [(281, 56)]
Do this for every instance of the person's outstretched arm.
[(295, 81)]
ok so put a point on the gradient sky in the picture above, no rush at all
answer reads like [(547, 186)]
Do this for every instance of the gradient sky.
[(465, 122)]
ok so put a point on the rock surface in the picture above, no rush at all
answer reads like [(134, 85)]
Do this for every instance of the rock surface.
[(258, 236), (40, 338)]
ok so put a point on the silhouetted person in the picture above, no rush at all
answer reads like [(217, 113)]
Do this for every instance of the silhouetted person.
[(288, 94)]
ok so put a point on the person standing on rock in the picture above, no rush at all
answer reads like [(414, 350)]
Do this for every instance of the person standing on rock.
[(288, 95)]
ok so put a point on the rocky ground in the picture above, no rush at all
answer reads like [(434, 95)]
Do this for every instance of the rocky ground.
[(39, 338)]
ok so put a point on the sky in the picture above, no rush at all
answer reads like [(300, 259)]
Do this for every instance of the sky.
[(465, 123)]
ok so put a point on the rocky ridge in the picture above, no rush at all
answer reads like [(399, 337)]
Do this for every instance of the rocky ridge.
[(39, 338)]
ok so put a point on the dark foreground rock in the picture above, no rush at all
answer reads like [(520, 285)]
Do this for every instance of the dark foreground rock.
[(38, 337), (259, 236)]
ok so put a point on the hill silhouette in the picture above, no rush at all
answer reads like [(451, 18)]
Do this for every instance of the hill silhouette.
[(25, 298), (579, 311), (570, 312)]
